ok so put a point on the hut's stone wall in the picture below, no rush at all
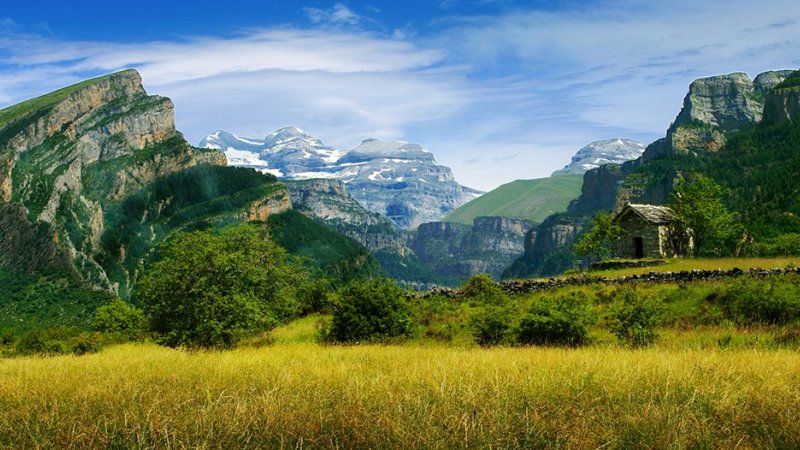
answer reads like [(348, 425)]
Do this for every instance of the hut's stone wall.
[(655, 239)]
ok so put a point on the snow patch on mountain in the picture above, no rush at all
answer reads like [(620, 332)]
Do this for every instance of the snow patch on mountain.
[(599, 153)]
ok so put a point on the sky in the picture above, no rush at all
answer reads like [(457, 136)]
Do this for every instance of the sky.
[(498, 89)]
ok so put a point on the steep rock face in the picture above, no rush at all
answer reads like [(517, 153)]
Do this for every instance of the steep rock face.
[(261, 209), (329, 202), (65, 155), (783, 103), (399, 180), (456, 251), (728, 102), (600, 153), (767, 81), (599, 191), (548, 247)]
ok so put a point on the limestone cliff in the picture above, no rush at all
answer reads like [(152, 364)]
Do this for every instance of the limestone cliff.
[(330, 202), (456, 251), (66, 156), (548, 247)]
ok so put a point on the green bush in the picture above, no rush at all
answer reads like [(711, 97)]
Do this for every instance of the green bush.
[(59, 340), (213, 289), (556, 321), (771, 300), (782, 245), (492, 326), (369, 311), (8, 338), (482, 290), (634, 319), (121, 320), (315, 297)]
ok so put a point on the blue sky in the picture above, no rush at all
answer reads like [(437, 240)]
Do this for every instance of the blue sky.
[(497, 89)]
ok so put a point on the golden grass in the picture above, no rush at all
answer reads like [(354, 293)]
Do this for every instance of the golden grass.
[(685, 264), (302, 395)]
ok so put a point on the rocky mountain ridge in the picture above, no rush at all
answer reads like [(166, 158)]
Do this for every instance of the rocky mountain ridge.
[(399, 180)]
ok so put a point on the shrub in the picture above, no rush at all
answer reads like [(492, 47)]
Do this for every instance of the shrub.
[(441, 318), (556, 321), (634, 319), (492, 326), (8, 338), (481, 289), (767, 300), (59, 340), (369, 311), (315, 297), (213, 289), (121, 320)]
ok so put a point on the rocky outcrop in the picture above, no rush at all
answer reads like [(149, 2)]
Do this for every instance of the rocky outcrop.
[(728, 102), (275, 203), (713, 107), (456, 251), (600, 153), (329, 201), (67, 156), (63, 117), (765, 82)]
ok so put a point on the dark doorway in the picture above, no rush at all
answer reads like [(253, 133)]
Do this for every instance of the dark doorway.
[(638, 244)]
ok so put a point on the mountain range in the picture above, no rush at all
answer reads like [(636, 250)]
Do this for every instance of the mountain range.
[(95, 176), (399, 180)]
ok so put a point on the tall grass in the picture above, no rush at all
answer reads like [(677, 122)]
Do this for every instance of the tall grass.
[(297, 395)]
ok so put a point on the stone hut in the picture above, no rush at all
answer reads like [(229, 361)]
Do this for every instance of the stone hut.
[(650, 231)]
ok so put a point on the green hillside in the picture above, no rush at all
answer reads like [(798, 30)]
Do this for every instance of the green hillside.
[(524, 199)]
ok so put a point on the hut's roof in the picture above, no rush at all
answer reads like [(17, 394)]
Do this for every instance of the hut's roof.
[(656, 215)]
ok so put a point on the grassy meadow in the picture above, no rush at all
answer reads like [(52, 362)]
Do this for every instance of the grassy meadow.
[(719, 375), (294, 393)]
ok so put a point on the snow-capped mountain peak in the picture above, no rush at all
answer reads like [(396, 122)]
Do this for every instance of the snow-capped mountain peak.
[(600, 153), (400, 180)]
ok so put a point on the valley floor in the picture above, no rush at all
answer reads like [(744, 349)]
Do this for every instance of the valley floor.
[(297, 394)]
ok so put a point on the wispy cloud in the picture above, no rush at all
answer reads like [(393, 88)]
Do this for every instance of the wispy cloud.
[(339, 14)]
